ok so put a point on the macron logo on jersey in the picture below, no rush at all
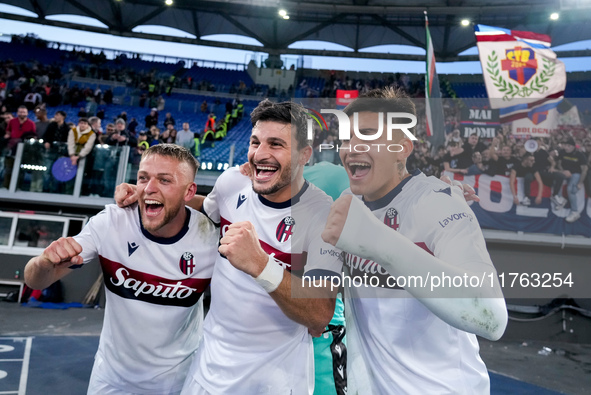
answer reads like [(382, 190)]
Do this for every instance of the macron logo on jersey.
[(447, 191), (131, 247), (241, 199)]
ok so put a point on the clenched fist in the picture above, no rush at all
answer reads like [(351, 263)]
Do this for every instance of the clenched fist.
[(62, 253), (336, 219), (241, 246)]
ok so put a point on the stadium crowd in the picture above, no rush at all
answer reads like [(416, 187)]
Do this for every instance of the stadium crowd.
[(563, 156)]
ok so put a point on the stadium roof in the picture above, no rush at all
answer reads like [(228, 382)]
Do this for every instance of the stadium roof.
[(357, 24)]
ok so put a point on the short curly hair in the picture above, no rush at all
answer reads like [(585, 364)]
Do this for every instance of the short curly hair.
[(285, 112)]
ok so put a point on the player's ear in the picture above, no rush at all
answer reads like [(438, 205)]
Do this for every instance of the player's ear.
[(406, 147), (191, 191), (304, 155)]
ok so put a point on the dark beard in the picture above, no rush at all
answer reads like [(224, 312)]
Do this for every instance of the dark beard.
[(269, 190), (284, 181)]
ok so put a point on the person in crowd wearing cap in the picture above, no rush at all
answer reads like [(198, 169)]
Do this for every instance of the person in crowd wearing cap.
[(120, 136), (573, 164), (152, 118)]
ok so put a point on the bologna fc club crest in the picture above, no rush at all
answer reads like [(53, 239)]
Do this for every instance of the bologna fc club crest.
[(187, 263), (391, 218), (285, 229)]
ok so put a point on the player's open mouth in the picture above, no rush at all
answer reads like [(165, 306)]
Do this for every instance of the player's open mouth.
[(153, 207), (358, 169), (265, 172)]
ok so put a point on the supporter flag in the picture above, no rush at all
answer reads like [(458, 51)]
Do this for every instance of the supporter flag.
[(540, 121), (520, 71), (344, 97), (543, 120), (569, 114), (433, 101)]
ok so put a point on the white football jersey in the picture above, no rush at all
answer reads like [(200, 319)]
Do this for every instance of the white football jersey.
[(395, 344), (154, 309), (249, 345)]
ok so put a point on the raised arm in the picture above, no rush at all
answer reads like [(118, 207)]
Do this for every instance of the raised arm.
[(494, 146), (479, 310), (53, 264), (307, 305)]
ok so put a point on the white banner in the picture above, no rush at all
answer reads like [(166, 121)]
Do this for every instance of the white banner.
[(539, 122), (520, 70)]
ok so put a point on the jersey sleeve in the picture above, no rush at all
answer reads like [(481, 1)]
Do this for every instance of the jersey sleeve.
[(452, 232), (209, 238), (323, 259), (90, 236), (211, 206), (226, 183)]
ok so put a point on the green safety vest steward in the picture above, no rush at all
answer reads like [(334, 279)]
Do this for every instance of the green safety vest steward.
[(222, 131), (209, 132)]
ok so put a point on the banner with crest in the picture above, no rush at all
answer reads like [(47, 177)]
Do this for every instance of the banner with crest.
[(520, 71)]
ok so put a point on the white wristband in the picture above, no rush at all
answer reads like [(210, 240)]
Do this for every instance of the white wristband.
[(271, 276)]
